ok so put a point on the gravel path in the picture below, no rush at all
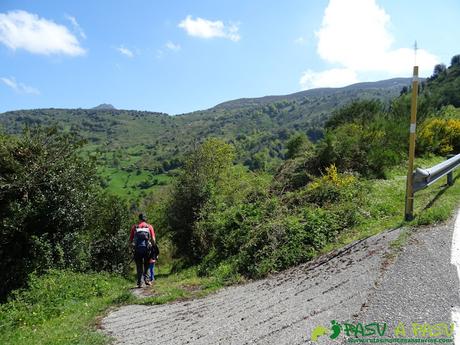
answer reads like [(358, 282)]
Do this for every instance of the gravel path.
[(282, 309)]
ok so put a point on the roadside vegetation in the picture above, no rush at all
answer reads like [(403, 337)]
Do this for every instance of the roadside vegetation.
[(61, 307), (64, 222)]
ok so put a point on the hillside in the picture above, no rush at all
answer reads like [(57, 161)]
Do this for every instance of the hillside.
[(159, 138), (105, 106), (393, 85), (136, 148)]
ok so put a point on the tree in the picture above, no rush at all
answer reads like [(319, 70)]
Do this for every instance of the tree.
[(404, 90), (360, 112), (296, 145), (46, 191), (438, 70), (203, 171), (260, 160), (455, 60), (109, 249)]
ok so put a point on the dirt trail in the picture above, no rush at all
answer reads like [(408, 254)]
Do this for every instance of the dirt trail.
[(282, 309)]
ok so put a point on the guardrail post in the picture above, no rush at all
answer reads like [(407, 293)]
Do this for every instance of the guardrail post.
[(450, 179)]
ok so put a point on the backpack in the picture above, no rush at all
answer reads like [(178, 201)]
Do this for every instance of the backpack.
[(154, 251), (141, 237)]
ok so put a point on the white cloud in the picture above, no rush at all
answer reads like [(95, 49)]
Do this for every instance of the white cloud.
[(125, 51), (19, 87), (353, 32), (204, 28), (76, 26), (301, 40), (336, 77), (24, 30), (171, 46), (159, 54), (354, 35)]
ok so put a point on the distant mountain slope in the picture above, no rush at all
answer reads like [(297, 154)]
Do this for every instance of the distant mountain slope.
[(150, 139), (104, 106), (395, 84)]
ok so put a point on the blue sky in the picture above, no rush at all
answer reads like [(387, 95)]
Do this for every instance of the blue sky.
[(181, 56)]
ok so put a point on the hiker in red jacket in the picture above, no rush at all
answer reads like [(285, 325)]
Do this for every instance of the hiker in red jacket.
[(142, 237)]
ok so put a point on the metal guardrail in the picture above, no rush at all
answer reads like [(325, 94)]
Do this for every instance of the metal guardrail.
[(423, 178)]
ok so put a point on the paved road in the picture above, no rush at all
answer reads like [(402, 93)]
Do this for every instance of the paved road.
[(423, 285), (355, 284)]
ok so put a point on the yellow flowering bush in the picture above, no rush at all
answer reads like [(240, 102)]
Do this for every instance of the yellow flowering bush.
[(439, 136)]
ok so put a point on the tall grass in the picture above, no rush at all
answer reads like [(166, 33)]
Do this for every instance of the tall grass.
[(60, 307), (384, 208)]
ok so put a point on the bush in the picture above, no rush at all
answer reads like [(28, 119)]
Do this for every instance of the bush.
[(204, 172), (109, 247), (360, 112), (440, 135), (368, 149), (332, 187), (52, 209), (297, 144), (258, 233), (46, 191)]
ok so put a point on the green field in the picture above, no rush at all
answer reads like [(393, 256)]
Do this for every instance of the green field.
[(133, 185)]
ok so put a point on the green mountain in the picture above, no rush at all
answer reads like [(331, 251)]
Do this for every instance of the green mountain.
[(122, 128), (105, 106), (141, 141), (364, 89)]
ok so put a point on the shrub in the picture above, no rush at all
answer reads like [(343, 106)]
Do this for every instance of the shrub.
[(261, 233), (52, 212), (297, 144), (359, 112), (109, 247), (204, 171), (46, 190), (332, 187), (439, 136)]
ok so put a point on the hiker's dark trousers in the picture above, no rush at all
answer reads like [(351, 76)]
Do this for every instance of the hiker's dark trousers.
[(141, 258)]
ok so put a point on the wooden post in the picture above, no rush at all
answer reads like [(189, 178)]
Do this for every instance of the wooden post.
[(409, 211)]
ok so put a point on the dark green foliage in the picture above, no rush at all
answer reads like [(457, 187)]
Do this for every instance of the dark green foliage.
[(358, 112), (295, 173), (439, 69), (296, 145), (49, 204), (256, 232), (226, 218), (45, 193), (203, 172), (109, 247), (362, 149), (443, 88)]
